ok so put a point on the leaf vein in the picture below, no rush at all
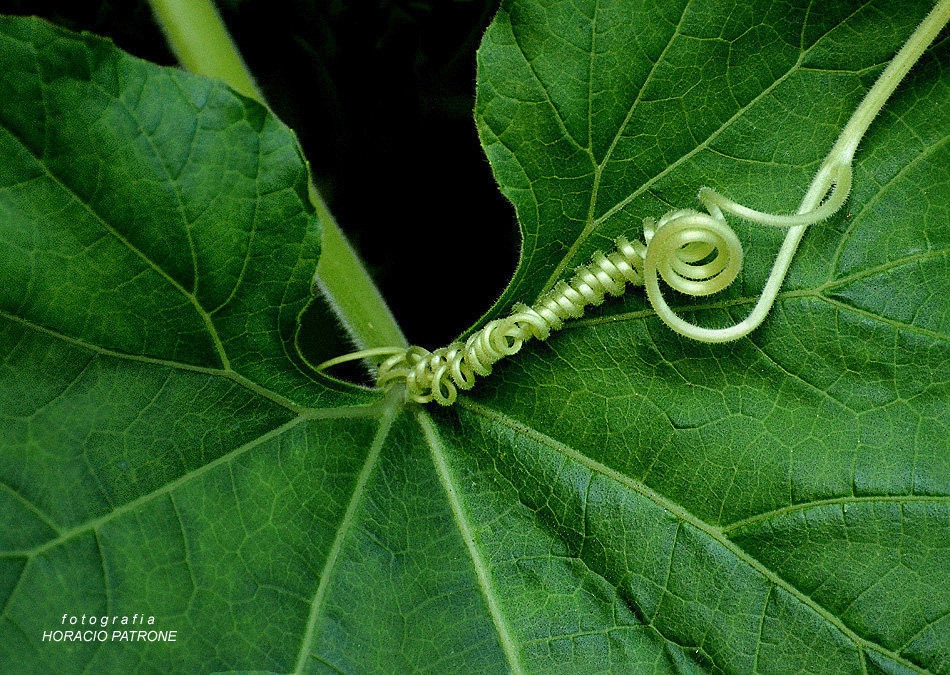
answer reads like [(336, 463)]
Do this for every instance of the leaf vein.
[(592, 223), (481, 569), (802, 506), (167, 488), (715, 533), (131, 247), (855, 221), (316, 604), (37, 511), (547, 95)]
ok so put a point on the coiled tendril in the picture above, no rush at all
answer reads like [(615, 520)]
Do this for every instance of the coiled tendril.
[(695, 253)]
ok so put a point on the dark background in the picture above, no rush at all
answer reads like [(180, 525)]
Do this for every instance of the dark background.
[(380, 93)]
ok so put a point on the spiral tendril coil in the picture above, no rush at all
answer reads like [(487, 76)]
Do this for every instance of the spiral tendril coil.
[(695, 253), (438, 375)]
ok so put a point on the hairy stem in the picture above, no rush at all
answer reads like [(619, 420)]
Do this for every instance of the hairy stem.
[(201, 42), (844, 149)]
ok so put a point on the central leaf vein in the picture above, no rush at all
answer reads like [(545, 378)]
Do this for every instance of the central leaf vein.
[(461, 519), (316, 604)]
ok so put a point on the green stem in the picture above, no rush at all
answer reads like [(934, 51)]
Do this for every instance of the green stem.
[(844, 149), (201, 42), (349, 289)]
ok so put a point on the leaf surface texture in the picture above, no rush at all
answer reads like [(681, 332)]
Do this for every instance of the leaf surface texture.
[(615, 498)]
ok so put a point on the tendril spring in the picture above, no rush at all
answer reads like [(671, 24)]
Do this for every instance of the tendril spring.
[(695, 253)]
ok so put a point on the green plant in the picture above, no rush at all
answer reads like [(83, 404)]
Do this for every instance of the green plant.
[(616, 497)]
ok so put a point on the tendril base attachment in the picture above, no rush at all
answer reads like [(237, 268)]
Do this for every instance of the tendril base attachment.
[(438, 375)]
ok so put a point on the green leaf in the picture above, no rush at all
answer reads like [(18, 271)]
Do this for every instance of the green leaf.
[(615, 498), (776, 503), (157, 246)]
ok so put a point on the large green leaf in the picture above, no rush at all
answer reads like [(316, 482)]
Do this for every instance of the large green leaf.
[(614, 498)]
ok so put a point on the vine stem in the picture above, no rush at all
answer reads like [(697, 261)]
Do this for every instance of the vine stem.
[(202, 44)]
